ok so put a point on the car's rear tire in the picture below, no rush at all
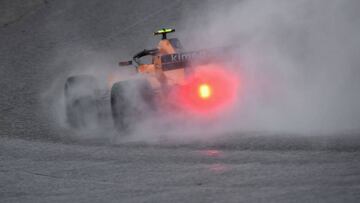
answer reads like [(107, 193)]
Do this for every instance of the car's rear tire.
[(80, 99), (131, 101)]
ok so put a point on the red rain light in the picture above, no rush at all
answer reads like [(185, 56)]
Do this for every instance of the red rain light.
[(204, 91), (209, 89)]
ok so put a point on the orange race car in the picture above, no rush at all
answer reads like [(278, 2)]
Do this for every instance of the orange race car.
[(190, 81)]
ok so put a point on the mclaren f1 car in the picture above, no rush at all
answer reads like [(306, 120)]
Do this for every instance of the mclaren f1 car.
[(174, 79)]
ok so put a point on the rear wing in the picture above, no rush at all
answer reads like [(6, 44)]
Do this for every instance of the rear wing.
[(185, 59)]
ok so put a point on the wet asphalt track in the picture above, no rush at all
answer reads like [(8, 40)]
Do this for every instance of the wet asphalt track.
[(40, 162)]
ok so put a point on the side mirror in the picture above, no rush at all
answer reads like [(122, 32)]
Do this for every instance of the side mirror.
[(125, 63)]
